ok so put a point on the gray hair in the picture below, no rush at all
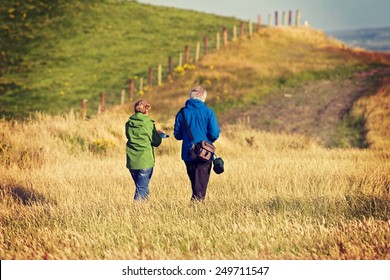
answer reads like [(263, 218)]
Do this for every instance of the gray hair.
[(198, 93)]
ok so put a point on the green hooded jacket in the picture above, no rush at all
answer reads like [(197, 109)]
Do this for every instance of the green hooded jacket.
[(141, 137)]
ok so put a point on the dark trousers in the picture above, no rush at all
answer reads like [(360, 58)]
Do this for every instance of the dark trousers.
[(199, 174)]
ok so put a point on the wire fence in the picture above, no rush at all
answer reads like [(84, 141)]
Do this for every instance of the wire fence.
[(178, 63)]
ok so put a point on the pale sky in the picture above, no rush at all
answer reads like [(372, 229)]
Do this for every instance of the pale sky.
[(327, 15)]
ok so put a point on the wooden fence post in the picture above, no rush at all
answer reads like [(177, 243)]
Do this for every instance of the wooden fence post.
[(250, 27), (170, 66), (218, 41), (141, 84), (197, 52), (298, 18), (269, 20), (205, 44), (102, 102), (258, 23), (84, 109), (187, 50), (289, 18), (276, 18), (122, 96), (131, 90), (225, 37), (150, 76), (284, 18), (180, 59), (234, 32), (159, 75), (241, 29)]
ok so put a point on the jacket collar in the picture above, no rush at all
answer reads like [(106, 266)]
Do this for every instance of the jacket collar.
[(194, 104)]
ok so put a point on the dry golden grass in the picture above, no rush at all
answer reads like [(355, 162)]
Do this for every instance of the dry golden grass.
[(65, 193), (375, 109)]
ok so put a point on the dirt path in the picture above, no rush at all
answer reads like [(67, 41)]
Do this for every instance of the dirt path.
[(314, 109)]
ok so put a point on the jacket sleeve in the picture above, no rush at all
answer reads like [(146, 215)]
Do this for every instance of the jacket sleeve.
[(213, 129), (156, 138), (177, 130), (127, 131)]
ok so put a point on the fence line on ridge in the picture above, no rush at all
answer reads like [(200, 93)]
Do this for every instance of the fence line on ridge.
[(158, 75)]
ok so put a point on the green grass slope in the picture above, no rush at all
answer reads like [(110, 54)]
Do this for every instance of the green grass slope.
[(54, 55)]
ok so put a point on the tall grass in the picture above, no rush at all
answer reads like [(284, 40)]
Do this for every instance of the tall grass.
[(66, 194)]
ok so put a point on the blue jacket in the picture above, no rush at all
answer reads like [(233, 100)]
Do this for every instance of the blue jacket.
[(202, 122)]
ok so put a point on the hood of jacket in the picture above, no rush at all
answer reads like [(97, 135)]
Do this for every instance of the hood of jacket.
[(138, 120), (194, 104)]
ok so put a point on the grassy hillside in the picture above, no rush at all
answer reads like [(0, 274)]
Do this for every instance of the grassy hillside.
[(56, 54), (75, 50)]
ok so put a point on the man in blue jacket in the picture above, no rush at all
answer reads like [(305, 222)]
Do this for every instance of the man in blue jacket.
[(203, 125)]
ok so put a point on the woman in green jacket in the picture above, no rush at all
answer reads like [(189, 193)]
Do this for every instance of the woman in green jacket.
[(142, 137)]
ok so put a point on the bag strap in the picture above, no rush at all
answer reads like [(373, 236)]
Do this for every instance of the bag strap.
[(186, 124)]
